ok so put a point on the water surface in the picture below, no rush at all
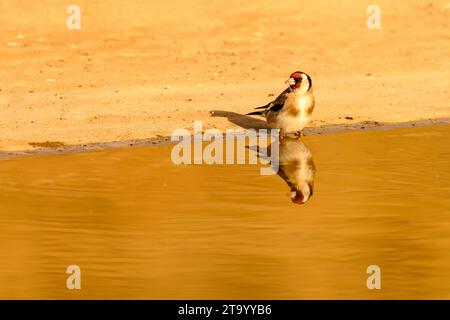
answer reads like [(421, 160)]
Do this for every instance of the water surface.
[(141, 227)]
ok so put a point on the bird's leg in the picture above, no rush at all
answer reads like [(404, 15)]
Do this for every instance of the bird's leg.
[(281, 135)]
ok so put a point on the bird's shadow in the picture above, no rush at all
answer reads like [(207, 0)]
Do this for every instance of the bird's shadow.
[(241, 120)]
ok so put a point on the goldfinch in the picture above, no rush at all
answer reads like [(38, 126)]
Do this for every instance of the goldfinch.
[(296, 167), (294, 164), (291, 111)]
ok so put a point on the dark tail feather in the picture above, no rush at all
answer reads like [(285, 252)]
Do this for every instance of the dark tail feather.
[(255, 113), (259, 113), (263, 107)]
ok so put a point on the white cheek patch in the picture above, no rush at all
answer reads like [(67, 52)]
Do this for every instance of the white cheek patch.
[(305, 83)]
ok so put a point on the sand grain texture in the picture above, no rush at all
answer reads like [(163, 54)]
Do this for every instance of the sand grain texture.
[(138, 70)]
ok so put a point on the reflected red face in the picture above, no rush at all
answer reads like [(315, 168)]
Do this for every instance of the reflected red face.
[(298, 198)]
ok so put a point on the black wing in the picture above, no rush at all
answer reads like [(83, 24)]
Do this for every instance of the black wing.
[(275, 105)]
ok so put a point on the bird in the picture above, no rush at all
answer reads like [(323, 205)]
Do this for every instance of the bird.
[(297, 169), (293, 162), (291, 111)]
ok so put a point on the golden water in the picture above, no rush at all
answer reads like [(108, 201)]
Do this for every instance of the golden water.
[(141, 227)]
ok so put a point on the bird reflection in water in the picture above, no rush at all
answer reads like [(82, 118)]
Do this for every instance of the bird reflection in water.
[(296, 167)]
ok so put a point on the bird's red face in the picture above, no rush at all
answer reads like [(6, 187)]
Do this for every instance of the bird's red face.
[(301, 194), (295, 80), (297, 197)]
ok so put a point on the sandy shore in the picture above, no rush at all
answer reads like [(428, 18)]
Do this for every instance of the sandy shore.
[(137, 71)]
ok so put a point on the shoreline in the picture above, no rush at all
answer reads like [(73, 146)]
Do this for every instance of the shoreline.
[(165, 140)]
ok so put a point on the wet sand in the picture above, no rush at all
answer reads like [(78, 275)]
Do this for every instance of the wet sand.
[(134, 72), (141, 227), (57, 147)]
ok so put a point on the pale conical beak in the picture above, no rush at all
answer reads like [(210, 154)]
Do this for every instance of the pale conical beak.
[(290, 81)]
